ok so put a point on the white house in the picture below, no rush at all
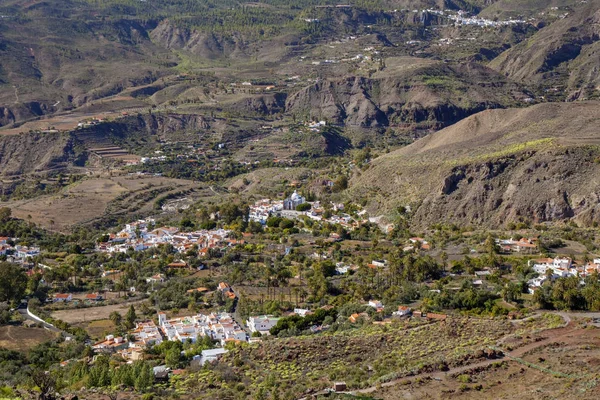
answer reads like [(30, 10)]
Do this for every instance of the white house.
[(62, 297), (302, 312), (376, 304), (402, 311), (211, 355), (379, 263), (261, 324)]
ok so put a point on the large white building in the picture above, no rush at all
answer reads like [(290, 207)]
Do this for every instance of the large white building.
[(293, 201), (261, 324)]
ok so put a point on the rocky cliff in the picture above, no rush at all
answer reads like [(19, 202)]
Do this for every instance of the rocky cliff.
[(498, 166), (35, 152), (436, 94)]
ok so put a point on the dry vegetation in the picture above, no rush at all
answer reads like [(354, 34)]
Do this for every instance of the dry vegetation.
[(79, 315), (21, 338), (93, 198), (403, 349)]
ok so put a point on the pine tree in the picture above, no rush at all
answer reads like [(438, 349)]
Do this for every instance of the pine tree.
[(144, 379), (130, 317)]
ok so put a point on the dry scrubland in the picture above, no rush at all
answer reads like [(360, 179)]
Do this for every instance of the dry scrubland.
[(569, 366), (84, 315), (21, 338), (402, 349), (95, 197)]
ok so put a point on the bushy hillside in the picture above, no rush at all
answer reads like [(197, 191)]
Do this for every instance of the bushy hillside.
[(498, 166)]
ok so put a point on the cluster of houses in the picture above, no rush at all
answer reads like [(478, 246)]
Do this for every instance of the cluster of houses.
[(16, 253), (221, 327), (523, 245), (261, 210), (141, 235), (462, 18), (560, 267)]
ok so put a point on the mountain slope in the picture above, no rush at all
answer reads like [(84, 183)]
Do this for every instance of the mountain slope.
[(565, 54), (407, 91), (35, 152), (535, 164)]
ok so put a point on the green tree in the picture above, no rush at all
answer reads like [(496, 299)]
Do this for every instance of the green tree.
[(130, 318), (13, 282), (145, 378), (173, 357), (5, 214), (116, 318), (511, 292), (340, 184)]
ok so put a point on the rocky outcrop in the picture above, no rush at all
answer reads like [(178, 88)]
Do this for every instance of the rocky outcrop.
[(6, 116), (165, 124), (436, 95), (20, 112), (261, 105), (35, 152), (534, 187), (534, 164)]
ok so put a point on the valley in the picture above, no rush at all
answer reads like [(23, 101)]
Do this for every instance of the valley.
[(378, 199)]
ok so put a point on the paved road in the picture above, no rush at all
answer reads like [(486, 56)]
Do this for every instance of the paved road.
[(236, 316), (24, 311)]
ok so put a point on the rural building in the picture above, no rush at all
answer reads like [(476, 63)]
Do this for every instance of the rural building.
[(293, 201), (402, 311), (110, 345), (211, 355), (62, 297), (93, 297), (339, 386), (261, 324)]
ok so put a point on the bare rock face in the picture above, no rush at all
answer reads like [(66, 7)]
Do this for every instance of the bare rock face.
[(35, 152), (6, 116), (343, 101), (267, 104), (534, 187), (436, 96), (19, 112)]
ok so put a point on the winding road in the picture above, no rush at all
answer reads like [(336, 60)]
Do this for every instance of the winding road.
[(27, 314)]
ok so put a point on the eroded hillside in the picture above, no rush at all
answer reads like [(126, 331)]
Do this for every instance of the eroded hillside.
[(536, 164)]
